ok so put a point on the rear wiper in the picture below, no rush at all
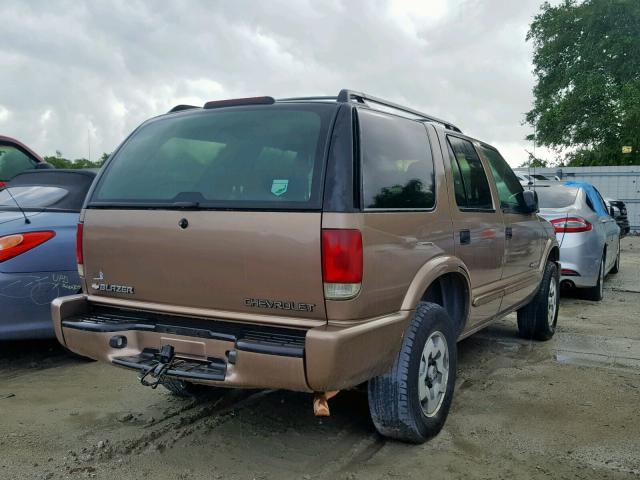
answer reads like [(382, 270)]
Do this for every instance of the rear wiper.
[(186, 205)]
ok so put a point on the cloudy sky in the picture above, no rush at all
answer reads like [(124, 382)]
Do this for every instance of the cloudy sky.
[(74, 74)]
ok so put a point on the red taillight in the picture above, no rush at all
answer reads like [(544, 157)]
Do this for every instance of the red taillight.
[(13, 245), (571, 225), (79, 256), (2, 185), (566, 272), (341, 263)]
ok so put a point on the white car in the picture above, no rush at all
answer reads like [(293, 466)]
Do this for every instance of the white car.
[(531, 179)]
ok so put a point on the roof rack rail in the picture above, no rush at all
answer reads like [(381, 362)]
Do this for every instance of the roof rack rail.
[(181, 107), (349, 95), (299, 99)]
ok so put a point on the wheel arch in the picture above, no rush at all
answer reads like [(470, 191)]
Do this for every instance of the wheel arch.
[(554, 254), (444, 281)]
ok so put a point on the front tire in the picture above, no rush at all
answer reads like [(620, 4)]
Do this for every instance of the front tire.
[(616, 266), (596, 293), (538, 319), (411, 402)]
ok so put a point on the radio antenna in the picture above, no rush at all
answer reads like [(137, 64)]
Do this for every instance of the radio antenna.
[(26, 219)]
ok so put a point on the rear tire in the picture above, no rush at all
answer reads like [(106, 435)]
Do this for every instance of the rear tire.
[(616, 266), (538, 319), (411, 402), (183, 389), (596, 292)]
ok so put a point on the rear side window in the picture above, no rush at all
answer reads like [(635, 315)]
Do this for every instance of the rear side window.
[(509, 188), (590, 204), (13, 161), (471, 186), (397, 164), (603, 204), (265, 157)]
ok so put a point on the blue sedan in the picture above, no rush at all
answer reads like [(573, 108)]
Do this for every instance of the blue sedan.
[(39, 211)]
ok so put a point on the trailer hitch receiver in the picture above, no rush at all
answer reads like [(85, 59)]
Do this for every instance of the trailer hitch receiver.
[(157, 370)]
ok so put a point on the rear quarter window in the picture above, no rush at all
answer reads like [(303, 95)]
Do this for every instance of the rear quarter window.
[(397, 164), (13, 162)]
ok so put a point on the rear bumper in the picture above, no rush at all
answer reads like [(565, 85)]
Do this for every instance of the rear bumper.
[(235, 354), (25, 300), (581, 252)]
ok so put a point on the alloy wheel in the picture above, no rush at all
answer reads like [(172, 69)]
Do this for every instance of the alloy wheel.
[(601, 274), (552, 303), (434, 373)]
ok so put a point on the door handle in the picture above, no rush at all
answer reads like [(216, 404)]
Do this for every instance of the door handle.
[(465, 237), (508, 232)]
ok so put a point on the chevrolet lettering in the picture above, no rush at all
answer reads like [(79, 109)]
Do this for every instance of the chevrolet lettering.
[(278, 304)]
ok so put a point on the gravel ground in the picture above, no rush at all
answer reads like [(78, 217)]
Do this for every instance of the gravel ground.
[(568, 408)]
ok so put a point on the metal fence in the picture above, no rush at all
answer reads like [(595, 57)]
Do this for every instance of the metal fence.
[(618, 183)]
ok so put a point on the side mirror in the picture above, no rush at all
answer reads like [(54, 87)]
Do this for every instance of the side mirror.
[(530, 198), (612, 211)]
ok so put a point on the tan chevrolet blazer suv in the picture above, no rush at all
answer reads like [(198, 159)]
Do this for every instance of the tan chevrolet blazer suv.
[(310, 244)]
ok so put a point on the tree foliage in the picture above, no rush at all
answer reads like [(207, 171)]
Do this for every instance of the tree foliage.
[(534, 162), (587, 95), (59, 161)]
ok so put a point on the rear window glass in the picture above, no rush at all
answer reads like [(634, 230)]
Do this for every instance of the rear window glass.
[(556, 197), (397, 166), (255, 157), (13, 161), (32, 197)]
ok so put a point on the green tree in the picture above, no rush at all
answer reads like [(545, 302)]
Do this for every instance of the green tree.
[(60, 162), (535, 162), (587, 94)]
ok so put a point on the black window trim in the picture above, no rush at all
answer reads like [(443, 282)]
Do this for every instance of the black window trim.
[(472, 209), (360, 169), (358, 181)]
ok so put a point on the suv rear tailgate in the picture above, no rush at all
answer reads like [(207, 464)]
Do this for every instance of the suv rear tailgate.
[(255, 262)]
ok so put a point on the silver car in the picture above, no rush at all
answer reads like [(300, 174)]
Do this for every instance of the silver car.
[(589, 237)]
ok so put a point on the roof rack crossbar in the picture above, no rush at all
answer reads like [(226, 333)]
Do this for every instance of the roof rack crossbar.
[(349, 95)]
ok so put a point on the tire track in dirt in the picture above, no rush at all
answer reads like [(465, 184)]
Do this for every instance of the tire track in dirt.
[(208, 412)]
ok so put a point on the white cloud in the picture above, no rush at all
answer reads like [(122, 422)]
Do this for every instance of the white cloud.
[(4, 114), (107, 66)]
